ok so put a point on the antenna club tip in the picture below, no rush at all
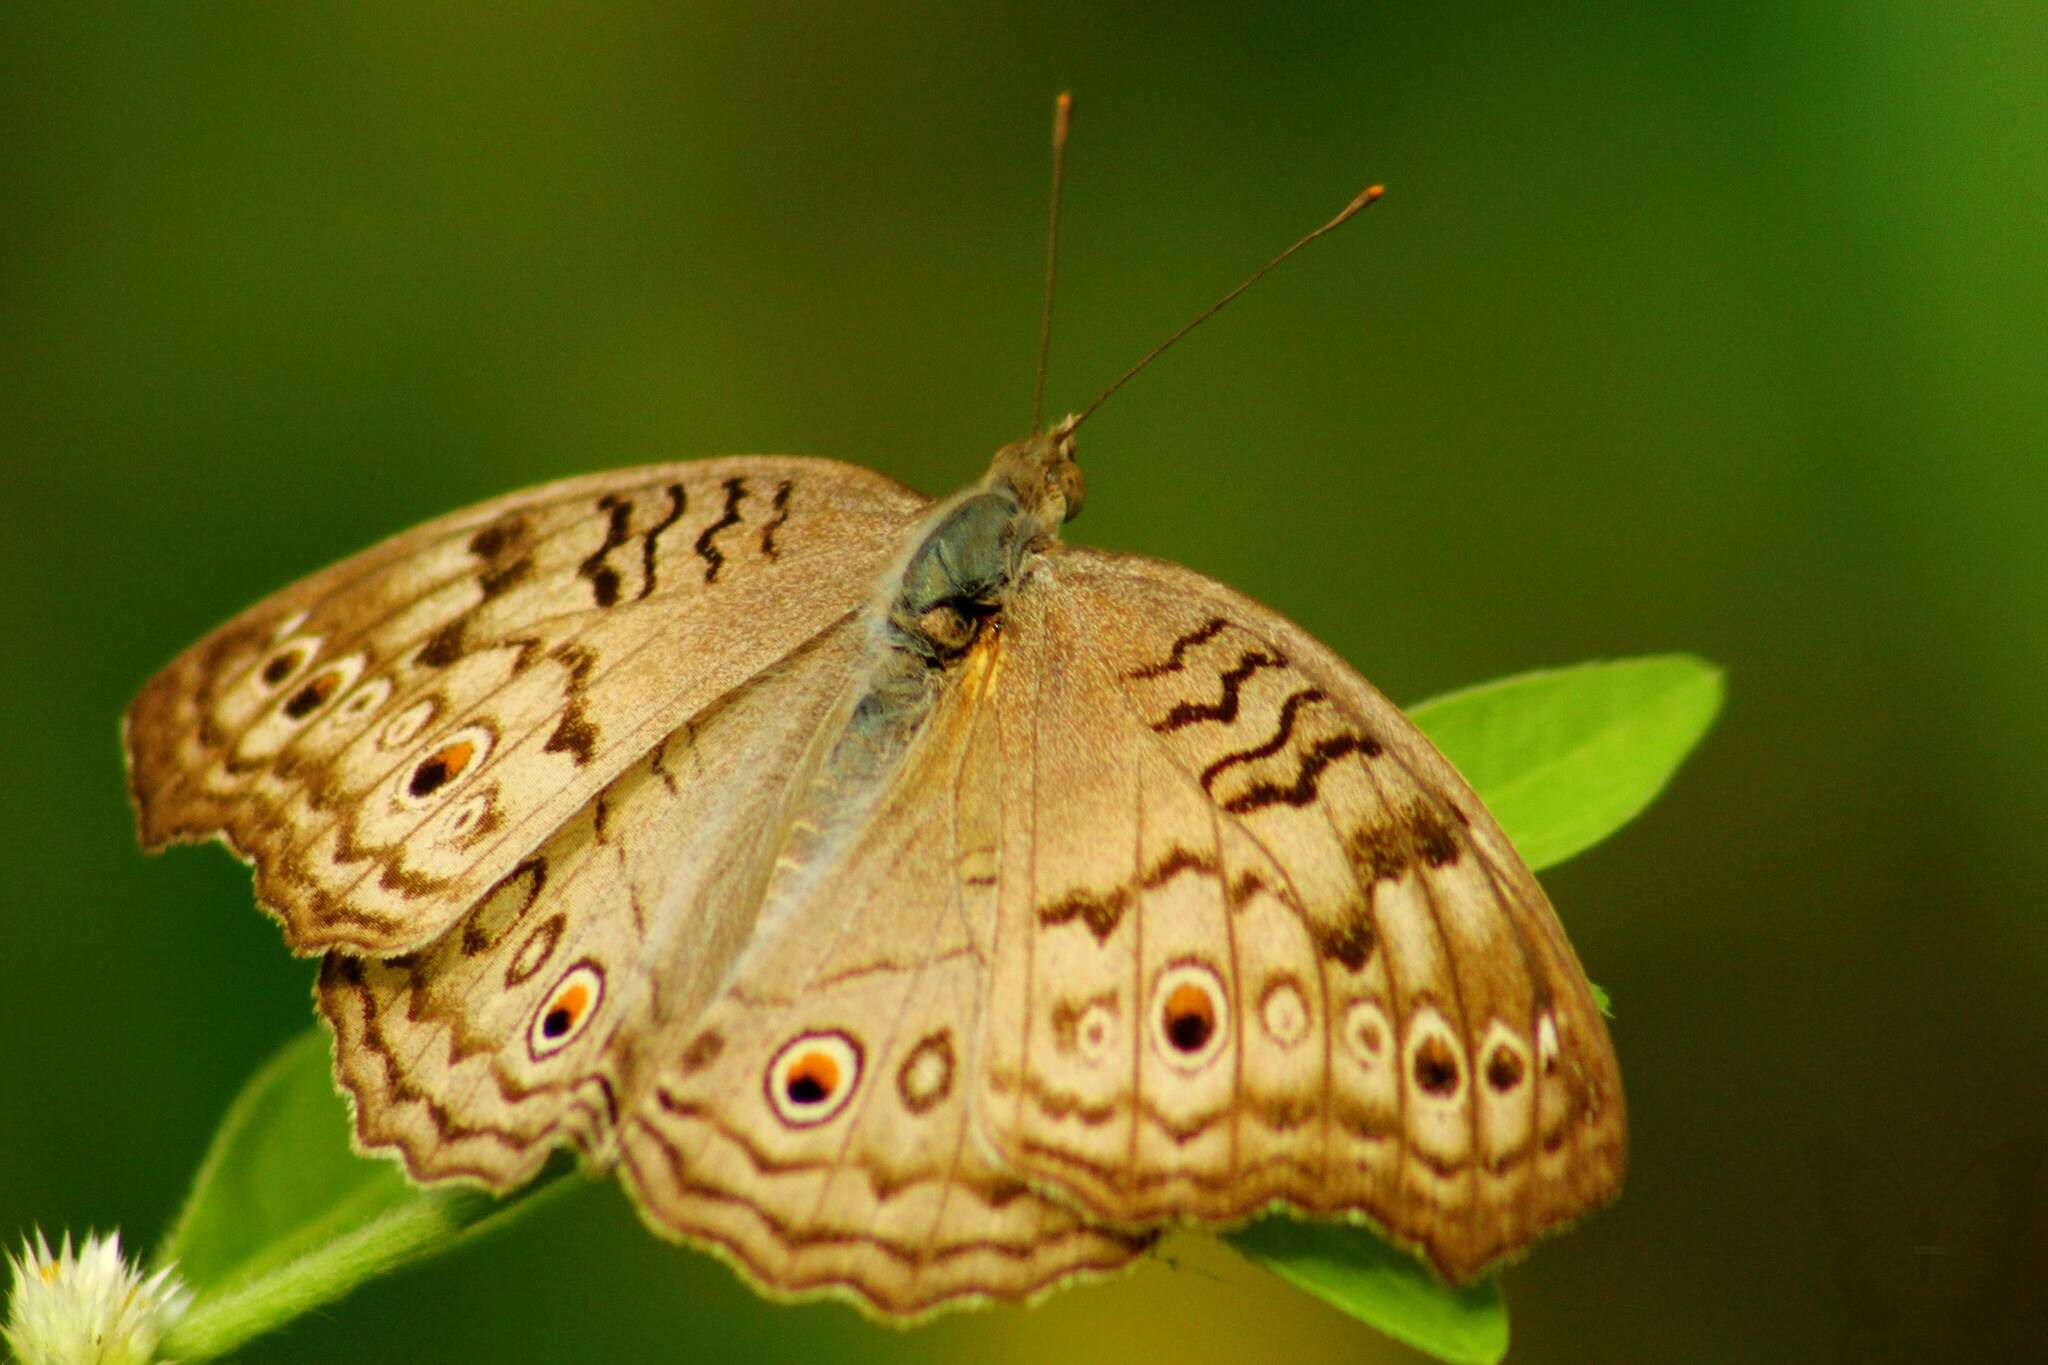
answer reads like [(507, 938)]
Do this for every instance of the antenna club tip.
[(1368, 195)]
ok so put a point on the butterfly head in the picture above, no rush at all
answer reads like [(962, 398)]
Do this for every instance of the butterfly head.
[(1043, 475)]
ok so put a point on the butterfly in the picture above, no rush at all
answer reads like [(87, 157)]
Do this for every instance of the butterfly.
[(903, 902)]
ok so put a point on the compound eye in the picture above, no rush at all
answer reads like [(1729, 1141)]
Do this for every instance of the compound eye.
[(1072, 488)]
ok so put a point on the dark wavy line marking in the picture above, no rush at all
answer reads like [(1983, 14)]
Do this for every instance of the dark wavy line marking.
[(444, 646), (781, 506), (338, 971), (678, 501), (1101, 912), (1224, 709), (1302, 789), (1060, 1105), (499, 581), (995, 1192), (604, 579), (501, 535), (714, 558), (1351, 942), (1238, 894), (376, 572), (1176, 661), (1281, 734), (1287, 1180), (534, 872), (1177, 861), (1416, 833), (574, 734), (791, 1235)]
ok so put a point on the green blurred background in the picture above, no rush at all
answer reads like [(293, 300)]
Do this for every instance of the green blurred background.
[(1712, 327)]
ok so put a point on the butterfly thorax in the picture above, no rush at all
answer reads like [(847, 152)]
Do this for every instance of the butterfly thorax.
[(956, 576), (938, 613)]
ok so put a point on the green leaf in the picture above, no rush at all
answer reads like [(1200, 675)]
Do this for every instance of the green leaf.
[(283, 1216), (1564, 758), (1363, 1276)]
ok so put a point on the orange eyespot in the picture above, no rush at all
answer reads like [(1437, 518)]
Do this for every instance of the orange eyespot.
[(811, 1078), (1189, 1015), (443, 765), (313, 695), (566, 1010), (449, 762)]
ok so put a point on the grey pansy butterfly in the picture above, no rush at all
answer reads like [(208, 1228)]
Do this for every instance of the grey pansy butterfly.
[(903, 902)]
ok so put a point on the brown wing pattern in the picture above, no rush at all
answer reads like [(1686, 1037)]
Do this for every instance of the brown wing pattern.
[(387, 740), (528, 1023), (813, 1125), (1259, 943), (1164, 914)]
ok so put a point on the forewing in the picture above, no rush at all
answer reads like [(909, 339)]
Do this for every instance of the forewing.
[(1259, 943), (812, 1125), (387, 739)]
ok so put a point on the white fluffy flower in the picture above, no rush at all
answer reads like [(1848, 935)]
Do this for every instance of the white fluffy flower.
[(90, 1308)]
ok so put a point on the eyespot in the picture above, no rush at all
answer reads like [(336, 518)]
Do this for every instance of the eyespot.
[(315, 692), (1365, 1033), (812, 1077), (1284, 1012), (1504, 1068), (1189, 1016), (364, 699), (287, 662), (403, 728), (567, 1010), (473, 819), (926, 1076), (444, 765), (1436, 1062), (1086, 1029)]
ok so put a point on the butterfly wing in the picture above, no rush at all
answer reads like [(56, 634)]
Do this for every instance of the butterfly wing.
[(1259, 944), (388, 739), (640, 984), (812, 1124), (528, 1023)]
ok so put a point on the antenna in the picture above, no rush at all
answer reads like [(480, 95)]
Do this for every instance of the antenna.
[(1351, 210), (1062, 120)]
